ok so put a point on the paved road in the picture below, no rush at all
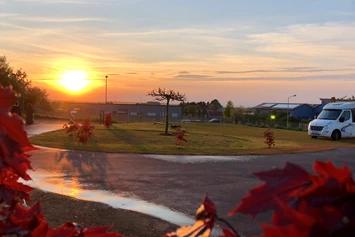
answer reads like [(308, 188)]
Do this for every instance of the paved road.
[(42, 126), (174, 181)]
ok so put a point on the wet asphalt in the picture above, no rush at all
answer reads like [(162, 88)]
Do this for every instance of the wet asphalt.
[(179, 185)]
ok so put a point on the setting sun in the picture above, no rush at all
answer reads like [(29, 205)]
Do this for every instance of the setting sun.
[(74, 81)]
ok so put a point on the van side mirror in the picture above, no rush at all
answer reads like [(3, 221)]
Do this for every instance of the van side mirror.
[(341, 119)]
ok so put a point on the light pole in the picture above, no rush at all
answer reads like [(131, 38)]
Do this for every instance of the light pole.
[(106, 90), (288, 105)]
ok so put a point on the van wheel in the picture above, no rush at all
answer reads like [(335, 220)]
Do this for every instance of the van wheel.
[(314, 137), (336, 135)]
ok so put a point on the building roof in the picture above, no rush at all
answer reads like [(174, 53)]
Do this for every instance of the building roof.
[(279, 106)]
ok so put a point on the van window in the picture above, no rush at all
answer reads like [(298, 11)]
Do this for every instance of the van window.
[(329, 114), (353, 114), (346, 115)]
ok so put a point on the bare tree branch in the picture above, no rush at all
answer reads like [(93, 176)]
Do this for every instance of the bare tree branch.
[(162, 94)]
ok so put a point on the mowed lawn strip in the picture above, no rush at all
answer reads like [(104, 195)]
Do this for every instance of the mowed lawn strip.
[(203, 139)]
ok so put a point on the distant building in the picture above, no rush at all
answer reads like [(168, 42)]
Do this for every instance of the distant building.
[(296, 110), (134, 112)]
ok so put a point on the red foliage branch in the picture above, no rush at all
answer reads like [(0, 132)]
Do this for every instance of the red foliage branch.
[(108, 120), (180, 136), (270, 138), (81, 132), (71, 128), (85, 131)]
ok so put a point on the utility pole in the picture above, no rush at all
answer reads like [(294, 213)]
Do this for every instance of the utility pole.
[(106, 90), (288, 107)]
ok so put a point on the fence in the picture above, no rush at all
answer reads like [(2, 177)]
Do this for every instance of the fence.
[(275, 123)]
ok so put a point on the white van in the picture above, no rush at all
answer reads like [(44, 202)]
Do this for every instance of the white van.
[(337, 120)]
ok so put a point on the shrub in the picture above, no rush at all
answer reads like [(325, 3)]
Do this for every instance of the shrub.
[(81, 132), (85, 132), (71, 128), (108, 120), (270, 138), (180, 136)]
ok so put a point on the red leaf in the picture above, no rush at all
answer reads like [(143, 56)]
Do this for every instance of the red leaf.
[(100, 232), (70, 229), (284, 183), (7, 97), (297, 224), (11, 189), (205, 218), (13, 126), (228, 233)]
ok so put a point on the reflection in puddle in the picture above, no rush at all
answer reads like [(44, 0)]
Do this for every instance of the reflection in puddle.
[(200, 159), (56, 183)]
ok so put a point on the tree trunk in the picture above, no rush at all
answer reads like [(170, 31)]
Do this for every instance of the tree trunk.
[(167, 117)]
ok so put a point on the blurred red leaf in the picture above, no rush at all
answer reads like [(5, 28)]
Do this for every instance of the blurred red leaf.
[(228, 233), (205, 218), (285, 183)]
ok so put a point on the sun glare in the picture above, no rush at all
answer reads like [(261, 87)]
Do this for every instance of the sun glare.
[(74, 81)]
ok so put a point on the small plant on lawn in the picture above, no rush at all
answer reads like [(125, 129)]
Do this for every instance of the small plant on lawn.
[(180, 135), (108, 120), (270, 138), (85, 131), (71, 128)]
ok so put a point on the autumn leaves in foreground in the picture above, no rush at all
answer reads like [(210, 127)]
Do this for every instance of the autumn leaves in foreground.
[(304, 204)]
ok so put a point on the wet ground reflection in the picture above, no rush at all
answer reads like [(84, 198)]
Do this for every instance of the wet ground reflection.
[(57, 183)]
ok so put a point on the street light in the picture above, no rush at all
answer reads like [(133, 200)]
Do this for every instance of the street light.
[(288, 105), (106, 90), (273, 117)]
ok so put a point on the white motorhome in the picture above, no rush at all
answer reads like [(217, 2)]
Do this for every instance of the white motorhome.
[(337, 120)]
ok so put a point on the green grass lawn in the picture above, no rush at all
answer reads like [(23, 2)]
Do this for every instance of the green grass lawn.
[(203, 138)]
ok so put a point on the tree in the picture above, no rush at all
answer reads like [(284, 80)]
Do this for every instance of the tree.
[(169, 95), (20, 83), (215, 105), (39, 97), (228, 111), (17, 79)]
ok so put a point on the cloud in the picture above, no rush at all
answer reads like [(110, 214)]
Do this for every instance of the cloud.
[(184, 72), (56, 20), (333, 40), (60, 1), (197, 77), (290, 69), (343, 13), (238, 72), (8, 14), (187, 31), (206, 78)]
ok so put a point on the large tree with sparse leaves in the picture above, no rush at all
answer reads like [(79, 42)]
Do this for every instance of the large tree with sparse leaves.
[(162, 94)]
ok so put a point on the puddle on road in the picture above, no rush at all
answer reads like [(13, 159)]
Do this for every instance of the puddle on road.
[(59, 184), (200, 159)]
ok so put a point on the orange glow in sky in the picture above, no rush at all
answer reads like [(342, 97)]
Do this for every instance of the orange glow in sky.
[(74, 81)]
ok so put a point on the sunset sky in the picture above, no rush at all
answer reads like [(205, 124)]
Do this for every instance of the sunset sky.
[(245, 51)]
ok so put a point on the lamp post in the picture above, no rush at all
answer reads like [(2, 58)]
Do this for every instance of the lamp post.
[(106, 90), (273, 117), (288, 105)]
